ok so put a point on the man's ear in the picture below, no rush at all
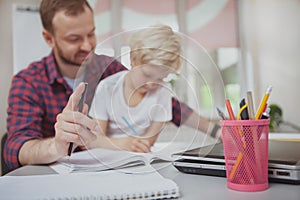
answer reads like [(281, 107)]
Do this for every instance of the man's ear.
[(48, 38)]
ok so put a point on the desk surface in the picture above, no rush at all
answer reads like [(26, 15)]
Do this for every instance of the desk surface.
[(197, 186)]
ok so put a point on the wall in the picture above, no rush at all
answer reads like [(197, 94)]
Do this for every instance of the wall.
[(6, 55), (270, 29)]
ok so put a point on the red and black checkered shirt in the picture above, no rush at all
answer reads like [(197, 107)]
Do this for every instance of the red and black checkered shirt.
[(39, 92)]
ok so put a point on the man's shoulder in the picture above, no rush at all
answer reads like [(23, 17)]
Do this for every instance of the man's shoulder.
[(103, 61), (36, 70), (113, 81)]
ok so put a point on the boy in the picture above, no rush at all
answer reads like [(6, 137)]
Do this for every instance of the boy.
[(139, 95)]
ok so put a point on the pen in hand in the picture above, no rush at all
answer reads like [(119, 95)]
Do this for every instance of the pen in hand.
[(80, 107), (130, 126)]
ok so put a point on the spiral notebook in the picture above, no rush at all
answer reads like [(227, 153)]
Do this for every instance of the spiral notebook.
[(141, 183)]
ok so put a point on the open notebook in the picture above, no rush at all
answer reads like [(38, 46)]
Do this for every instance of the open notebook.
[(103, 159), (144, 183)]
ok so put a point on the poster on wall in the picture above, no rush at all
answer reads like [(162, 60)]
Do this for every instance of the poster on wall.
[(28, 42)]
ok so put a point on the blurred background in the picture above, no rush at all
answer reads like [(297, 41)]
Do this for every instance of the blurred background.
[(230, 46)]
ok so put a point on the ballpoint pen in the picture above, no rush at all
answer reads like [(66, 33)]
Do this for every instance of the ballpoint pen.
[(130, 126), (266, 114), (80, 107), (263, 103), (220, 113), (243, 114)]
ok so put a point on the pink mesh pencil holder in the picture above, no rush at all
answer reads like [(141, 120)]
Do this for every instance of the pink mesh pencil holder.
[(246, 154)]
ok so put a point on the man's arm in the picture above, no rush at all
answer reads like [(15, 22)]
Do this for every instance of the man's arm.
[(24, 119), (38, 151), (71, 126), (180, 111), (202, 124)]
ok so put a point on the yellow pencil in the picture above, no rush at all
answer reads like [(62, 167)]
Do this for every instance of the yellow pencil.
[(263, 103)]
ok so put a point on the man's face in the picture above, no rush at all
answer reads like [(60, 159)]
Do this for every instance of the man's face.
[(74, 37)]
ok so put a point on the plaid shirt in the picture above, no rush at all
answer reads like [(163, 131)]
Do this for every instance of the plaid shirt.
[(39, 93)]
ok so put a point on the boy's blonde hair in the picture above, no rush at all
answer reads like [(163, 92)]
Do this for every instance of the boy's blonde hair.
[(156, 45)]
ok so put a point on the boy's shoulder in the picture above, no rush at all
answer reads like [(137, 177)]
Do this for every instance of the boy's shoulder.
[(113, 80)]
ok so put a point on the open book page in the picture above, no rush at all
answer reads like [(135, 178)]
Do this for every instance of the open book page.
[(164, 150), (113, 184), (97, 160), (103, 159)]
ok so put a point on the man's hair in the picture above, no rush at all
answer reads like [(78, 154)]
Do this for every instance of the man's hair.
[(156, 45), (48, 9)]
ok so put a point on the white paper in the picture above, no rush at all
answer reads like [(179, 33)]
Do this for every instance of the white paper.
[(102, 159)]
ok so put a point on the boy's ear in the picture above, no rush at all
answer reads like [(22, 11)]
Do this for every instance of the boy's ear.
[(48, 38), (132, 60)]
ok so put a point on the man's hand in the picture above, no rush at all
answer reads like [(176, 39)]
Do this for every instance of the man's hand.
[(73, 126)]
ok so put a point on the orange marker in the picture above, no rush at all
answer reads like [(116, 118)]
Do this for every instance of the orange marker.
[(229, 109)]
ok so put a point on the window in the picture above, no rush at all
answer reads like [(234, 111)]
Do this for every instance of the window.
[(209, 28)]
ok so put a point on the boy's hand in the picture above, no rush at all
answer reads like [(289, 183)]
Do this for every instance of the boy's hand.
[(140, 145), (133, 144)]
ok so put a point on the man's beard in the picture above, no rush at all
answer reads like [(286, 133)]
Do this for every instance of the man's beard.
[(67, 60)]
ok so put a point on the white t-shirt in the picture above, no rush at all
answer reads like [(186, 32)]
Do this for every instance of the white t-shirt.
[(109, 104)]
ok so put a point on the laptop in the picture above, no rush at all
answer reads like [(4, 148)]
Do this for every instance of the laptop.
[(283, 166)]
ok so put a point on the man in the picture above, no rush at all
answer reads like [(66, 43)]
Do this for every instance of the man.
[(42, 115)]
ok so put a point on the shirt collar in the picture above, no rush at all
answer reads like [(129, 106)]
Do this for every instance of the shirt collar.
[(52, 69)]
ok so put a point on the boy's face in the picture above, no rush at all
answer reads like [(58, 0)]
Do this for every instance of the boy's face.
[(149, 77)]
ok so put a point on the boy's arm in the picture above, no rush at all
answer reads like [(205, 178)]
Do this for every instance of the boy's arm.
[(127, 143), (131, 143), (140, 143), (152, 132)]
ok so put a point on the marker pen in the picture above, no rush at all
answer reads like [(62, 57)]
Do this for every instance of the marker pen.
[(266, 114)]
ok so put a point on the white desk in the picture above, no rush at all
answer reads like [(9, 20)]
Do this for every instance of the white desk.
[(198, 187), (194, 187)]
